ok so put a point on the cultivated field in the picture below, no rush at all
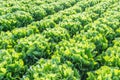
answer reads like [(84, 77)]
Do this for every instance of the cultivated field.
[(59, 39)]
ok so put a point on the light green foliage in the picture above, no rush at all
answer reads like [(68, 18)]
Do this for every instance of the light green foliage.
[(59, 39), (50, 70), (56, 34), (104, 73)]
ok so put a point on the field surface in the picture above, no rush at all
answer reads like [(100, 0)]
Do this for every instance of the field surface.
[(59, 39)]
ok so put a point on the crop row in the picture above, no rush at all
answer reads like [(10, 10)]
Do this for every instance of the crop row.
[(12, 20), (12, 6)]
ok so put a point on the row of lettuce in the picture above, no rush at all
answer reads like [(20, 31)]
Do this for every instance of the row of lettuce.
[(28, 5), (75, 47), (21, 18)]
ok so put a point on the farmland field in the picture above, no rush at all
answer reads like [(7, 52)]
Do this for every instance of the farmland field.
[(59, 39)]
